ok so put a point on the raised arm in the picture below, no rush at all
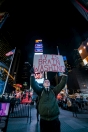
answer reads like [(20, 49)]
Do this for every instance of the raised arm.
[(61, 85), (35, 85)]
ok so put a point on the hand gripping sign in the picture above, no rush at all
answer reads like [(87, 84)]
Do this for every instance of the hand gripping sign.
[(45, 62)]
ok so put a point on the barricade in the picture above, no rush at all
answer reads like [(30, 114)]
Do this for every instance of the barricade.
[(20, 110)]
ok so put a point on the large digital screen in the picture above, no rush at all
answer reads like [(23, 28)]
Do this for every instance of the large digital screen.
[(39, 77), (40, 81), (2, 83), (38, 46), (4, 109)]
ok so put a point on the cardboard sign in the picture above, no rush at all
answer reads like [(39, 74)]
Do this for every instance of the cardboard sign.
[(45, 62)]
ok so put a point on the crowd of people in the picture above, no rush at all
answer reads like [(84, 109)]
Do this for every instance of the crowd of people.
[(47, 104), (73, 104), (16, 97)]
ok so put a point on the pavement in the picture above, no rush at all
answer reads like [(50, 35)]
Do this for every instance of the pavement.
[(68, 122)]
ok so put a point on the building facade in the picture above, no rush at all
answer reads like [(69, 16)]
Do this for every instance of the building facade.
[(8, 63), (78, 78)]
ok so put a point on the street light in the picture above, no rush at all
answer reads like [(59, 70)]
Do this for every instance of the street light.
[(84, 47)]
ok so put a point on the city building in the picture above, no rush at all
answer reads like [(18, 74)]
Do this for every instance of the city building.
[(80, 55), (78, 77), (26, 76), (9, 58), (8, 63), (76, 58)]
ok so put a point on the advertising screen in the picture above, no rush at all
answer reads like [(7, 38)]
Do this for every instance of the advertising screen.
[(4, 109), (38, 46), (39, 77), (2, 83)]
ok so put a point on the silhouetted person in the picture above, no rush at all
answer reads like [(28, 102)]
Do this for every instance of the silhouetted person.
[(37, 102), (74, 107)]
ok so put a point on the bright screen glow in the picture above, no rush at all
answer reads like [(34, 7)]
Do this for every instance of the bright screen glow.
[(38, 53), (40, 81), (4, 109), (85, 61), (39, 77)]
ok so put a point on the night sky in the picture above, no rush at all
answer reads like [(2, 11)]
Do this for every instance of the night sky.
[(56, 23)]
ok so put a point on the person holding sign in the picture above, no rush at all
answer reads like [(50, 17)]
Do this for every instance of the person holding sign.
[(48, 107)]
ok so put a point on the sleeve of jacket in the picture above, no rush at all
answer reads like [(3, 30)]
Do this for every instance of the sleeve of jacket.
[(38, 89), (60, 86)]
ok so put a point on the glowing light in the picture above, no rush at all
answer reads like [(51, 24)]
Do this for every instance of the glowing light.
[(37, 41), (38, 53), (84, 47), (85, 61), (80, 51)]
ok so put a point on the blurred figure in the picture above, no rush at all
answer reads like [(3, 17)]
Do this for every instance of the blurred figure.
[(74, 107), (69, 104), (12, 104), (37, 103)]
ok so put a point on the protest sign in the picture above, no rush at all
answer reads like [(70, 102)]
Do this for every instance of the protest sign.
[(45, 62)]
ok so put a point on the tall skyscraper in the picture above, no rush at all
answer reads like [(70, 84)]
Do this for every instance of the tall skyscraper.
[(79, 75), (8, 64), (26, 75)]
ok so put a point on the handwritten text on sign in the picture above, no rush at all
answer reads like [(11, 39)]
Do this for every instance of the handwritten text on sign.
[(53, 63)]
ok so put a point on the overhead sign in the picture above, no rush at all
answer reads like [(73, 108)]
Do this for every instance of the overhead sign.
[(38, 46), (38, 50), (38, 40), (45, 62)]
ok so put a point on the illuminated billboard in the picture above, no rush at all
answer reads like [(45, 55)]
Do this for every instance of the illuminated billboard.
[(38, 46), (39, 50), (39, 77)]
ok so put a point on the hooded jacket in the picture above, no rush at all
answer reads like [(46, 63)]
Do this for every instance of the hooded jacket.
[(48, 106)]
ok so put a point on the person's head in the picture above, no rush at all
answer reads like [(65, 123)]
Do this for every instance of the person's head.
[(46, 83)]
